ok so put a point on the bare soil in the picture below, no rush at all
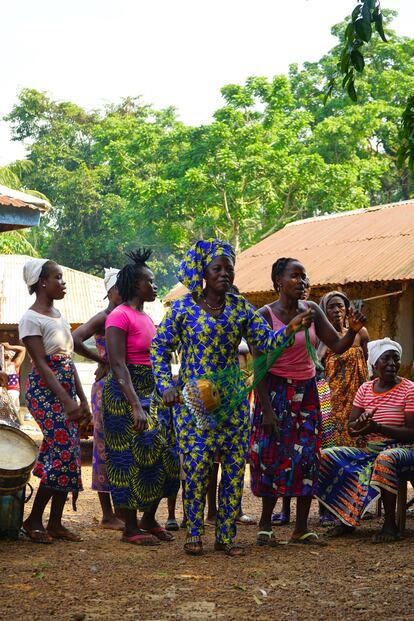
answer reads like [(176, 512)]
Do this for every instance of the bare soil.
[(103, 578)]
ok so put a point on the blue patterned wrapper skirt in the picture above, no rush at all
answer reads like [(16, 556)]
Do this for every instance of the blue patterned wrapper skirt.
[(142, 467)]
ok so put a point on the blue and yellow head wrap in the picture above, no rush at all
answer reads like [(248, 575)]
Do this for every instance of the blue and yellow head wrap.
[(197, 258)]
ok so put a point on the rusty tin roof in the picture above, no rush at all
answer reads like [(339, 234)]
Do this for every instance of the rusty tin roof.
[(374, 244)]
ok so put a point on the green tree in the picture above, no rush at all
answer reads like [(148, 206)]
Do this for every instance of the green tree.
[(130, 175)]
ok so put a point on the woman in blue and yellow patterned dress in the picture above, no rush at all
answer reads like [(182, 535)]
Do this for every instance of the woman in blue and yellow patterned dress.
[(209, 324)]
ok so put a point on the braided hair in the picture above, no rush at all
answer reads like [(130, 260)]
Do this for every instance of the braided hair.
[(43, 274), (131, 273), (279, 267)]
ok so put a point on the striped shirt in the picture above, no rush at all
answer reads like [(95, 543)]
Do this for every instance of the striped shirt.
[(391, 405)]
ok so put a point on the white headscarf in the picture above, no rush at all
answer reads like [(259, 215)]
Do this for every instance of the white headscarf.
[(379, 347), (31, 271), (110, 277)]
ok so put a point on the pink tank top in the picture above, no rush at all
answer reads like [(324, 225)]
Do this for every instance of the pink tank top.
[(294, 363)]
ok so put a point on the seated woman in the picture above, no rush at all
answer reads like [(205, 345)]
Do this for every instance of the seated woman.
[(351, 478)]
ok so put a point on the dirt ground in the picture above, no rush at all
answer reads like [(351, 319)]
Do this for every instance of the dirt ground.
[(102, 578)]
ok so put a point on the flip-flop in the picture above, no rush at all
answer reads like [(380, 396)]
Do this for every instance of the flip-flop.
[(66, 536), (172, 524), (37, 536), (161, 533), (280, 519), (308, 539), (230, 549), (266, 538), (142, 538), (326, 520), (246, 520)]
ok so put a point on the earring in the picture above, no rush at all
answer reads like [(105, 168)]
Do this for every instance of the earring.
[(43, 285)]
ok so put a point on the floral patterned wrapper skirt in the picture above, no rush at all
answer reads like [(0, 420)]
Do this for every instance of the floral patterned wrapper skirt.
[(287, 464), (58, 464)]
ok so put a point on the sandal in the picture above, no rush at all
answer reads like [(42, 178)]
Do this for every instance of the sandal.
[(37, 535), (172, 524), (308, 539), (266, 538), (194, 546), (142, 538), (161, 533), (230, 549), (280, 519)]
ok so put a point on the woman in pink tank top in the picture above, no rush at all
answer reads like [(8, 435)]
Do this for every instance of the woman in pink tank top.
[(285, 442)]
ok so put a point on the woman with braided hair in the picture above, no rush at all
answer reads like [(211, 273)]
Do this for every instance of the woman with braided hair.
[(286, 434), (142, 463)]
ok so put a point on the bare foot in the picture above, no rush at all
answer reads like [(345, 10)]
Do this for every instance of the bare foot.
[(387, 534), (112, 523), (63, 533), (340, 530)]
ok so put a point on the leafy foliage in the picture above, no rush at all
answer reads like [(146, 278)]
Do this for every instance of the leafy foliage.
[(406, 136), (132, 176), (358, 32)]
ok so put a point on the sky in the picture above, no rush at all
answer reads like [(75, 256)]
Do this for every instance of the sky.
[(170, 52)]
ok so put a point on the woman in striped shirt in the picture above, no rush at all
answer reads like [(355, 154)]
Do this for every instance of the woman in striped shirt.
[(383, 411)]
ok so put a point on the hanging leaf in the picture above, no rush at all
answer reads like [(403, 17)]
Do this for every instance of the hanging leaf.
[(345, 61), (363, 29), (357, 60), (358, 32), (350, 87), (379, 27)]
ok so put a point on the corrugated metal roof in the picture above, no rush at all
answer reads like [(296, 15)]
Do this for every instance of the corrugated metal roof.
[(15, 198), (375, 244), (84, 298), (7, 201)]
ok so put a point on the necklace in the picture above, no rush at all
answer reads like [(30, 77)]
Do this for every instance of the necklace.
[(214, 308)]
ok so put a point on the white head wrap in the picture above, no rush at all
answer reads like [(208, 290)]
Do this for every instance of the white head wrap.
[(377, 348), (110, 277), (31, 271)]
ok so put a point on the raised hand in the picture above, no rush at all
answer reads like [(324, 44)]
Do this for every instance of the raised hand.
[(356, 320)]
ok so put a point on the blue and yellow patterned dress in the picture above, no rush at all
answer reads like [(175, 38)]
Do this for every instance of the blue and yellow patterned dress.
[(209, 347)]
